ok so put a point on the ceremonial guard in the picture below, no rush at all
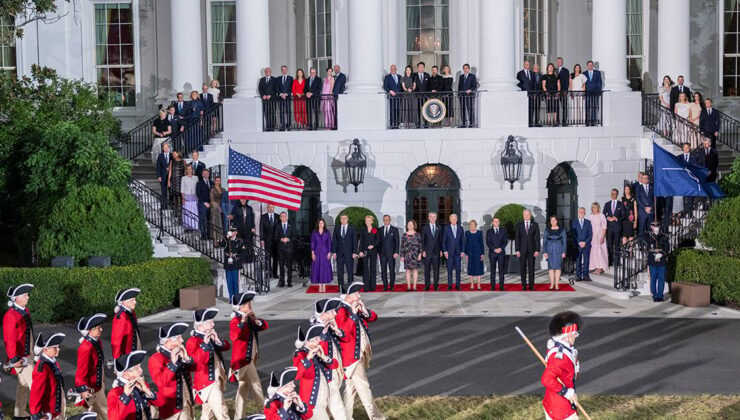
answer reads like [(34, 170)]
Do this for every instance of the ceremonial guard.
[(233, 261), (658, 248), (170, 369), (325, 313), (283, 403), (559, 378), (243, 331), (125, 336), (131, 398), (352, 318), (47, 400), (17, 337), (90, 376), (314, 370), (209, 378)]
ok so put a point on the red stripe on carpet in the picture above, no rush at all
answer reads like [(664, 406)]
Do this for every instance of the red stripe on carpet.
[(538, 287)]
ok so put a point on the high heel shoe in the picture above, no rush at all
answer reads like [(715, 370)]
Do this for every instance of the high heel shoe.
[(552, 287)]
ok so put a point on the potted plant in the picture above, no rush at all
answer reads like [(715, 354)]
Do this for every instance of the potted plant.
[(510, 215), (356, 217)]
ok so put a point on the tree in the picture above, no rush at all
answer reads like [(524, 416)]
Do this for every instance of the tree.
[(24, 12), (730, 183)]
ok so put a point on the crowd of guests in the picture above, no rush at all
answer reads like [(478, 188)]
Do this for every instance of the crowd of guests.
[(686, 110)]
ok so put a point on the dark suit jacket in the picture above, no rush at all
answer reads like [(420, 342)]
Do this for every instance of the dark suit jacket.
[(693, 157), (675, 91), (176, 123), (620, 213), (526, 83), (390, 85), (208, 100), (198, 170), (389, 244), (194, 109), (339, 81), (314, 87), (594, 84), (537, 81), (163, 167), (367, 239), (709, 124), (344, 247), (423, 85), (467, 83), (644, 200), (497, 241), (181, 109), (243, 227), (578, 234), (279, 234), (266, 87), (203, 191), (711, 162), (527, 243), (435, 83), (432, 245), (564, 77), (453, 245), (281, 87), (267, 229)]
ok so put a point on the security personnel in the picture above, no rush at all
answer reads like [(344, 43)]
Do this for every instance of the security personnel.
[(209, 381), (352, 318), (125, 336), (314, 370), (170, 369), (658, 248), (243, 331), (325, 313), (90, 376), (17, 337), (559, 377), (283, 403), (47, 400), (131, 398)]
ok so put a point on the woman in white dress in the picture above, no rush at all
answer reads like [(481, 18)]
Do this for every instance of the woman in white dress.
[(680, 129), (189, 199), (215, 90), (577, 87), (664, 93)]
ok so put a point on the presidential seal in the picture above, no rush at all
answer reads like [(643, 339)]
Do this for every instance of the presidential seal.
[(434, 110)]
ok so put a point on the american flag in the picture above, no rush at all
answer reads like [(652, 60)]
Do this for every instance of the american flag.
[(252, 180)]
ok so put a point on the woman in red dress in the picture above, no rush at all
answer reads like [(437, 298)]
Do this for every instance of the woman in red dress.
[(299, 98)]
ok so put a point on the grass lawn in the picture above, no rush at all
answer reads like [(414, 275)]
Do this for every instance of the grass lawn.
[(601, 407)]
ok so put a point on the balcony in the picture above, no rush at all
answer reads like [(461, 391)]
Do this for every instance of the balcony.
[(432, 110), (300, 113), (565, 109)]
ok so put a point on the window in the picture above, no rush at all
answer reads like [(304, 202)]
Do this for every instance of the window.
[(534, 31), (634, 44), (114, 52), (730, 74), (7, 51), (319, 35), (428, 32), (223, 45)]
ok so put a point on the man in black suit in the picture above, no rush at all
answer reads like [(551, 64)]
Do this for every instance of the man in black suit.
[(198, 166), (688, 159), (181, 108), (421, 78), (466, 88), (208, 100), (268, 222), (435, 83), (340, 80), (392, 87), (497, 239), (243, 218), (175, 121), (526, 83), (709, 159), (679, 89), (285, 236), (537, 101), (203, 192), (527, 247), (344, 250), (163, 166), (268, 89), (564, 76), (431, 250), (615, 214), (283, 91), (709, 121), (389, 244), (313, 98)]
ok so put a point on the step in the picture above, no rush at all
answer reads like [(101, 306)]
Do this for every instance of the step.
[(603, 287), (191, 254)]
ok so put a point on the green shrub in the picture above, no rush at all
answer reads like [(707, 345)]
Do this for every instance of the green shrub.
[(67, 294), (357, 217), (510, 215), (718, 271), (95, 220), (722, 229), (730, 183)]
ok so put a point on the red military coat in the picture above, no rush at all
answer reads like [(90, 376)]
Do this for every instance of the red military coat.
[(169, 378), (309, 375), (205, 358), (130, 407), (274, 410), (90, 361), (242, 336), (47, 388), (17, 333), (562, 363), (124, 333), (350, 325)]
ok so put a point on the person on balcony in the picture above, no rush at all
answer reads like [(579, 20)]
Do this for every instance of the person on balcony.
[(410, 112), (209, 101), (421, 85), (526, 78), (435, 80), (466, 88), (551, 85), (268, 92), (340, 80), (664, 94), (283, 92), (195, 112), (313, 98), (447, 81), (564, 77), (299, 99), (392, 87), (328, 101), (577, 85), (593, 94)]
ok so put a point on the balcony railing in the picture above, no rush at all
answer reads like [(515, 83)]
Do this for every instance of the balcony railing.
[(565, 109), (318, 112), (662, 121), (442, 109)]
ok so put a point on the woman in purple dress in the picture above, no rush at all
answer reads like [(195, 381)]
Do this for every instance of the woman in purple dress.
[(321, 256)]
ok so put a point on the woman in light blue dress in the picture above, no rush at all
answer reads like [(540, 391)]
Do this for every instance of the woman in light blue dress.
[(474, 251), (555, 246)]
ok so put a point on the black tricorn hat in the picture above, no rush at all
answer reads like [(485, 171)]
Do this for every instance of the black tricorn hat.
[(287, 376), (126, 294), (89, 322), (324, 305), (565, 322), (172, 330), (53, 340), (355, 287), (242, 298), (21, 289), (127, 361), (202, 315)]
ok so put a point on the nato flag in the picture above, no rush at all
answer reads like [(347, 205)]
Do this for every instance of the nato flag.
[(675, 177)]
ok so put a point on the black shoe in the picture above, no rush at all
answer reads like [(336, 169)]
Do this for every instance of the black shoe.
[(579, 278), (426, 287), (290, 284), (587, 278), (524, 288), (281, 284), (531, 288)]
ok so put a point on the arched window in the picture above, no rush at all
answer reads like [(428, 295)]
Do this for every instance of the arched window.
[(305, 218), (432, 188)]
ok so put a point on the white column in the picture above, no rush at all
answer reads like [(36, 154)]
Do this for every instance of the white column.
[(498, 45), (609, 47), (187, 46), (365, 67), (673, 39), (252, 45)]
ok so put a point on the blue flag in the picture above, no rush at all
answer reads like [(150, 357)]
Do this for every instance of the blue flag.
[(675, 177)]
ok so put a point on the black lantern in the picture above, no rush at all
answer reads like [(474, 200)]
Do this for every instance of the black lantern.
[(355, 164), (511, 161)]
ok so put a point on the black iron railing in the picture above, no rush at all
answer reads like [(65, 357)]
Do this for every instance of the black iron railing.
[(255, 269), (299, 113), (662, 121), (136, 141), (561, 109), (457, 109)]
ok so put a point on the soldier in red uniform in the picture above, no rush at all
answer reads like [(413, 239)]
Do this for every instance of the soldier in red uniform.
[(243, 331), (559, 378), (130, 398), (90, 376), (47, 400), (325, 314), (170, 370), (283, 403), (124, 333), (314, 371), (18, 336), (209, 381), (352, 318)]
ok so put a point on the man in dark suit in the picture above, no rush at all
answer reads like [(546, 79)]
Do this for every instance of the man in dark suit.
[(181, 108), (527, 240), (243, 219), (564, 77), (421, 78), (435, 83), (284, 237), (709, 159), (268, 90), (453, 247), (525, 77), (208, 100), (283, 91), (497, 239), (537, 100), (340, 80), (679, 89), (688, 159), (392, 87), (344, 250), (645, 202), (466, 87), (268, 222), (431, 250), (175, 121), (709, 121), (581, 233), (203, 192), (198, 166), (389, 244), (615, 214), (313, 98), (163, 166), (593, 94)]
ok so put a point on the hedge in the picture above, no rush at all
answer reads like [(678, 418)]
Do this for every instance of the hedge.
[(722, 229), (67, 294), (718, 271), (356, 217)]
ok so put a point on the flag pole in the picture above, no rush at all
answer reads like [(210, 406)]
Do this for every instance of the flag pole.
[(655, 196)]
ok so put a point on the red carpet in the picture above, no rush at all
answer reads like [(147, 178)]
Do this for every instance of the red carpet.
[(538, 287)]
